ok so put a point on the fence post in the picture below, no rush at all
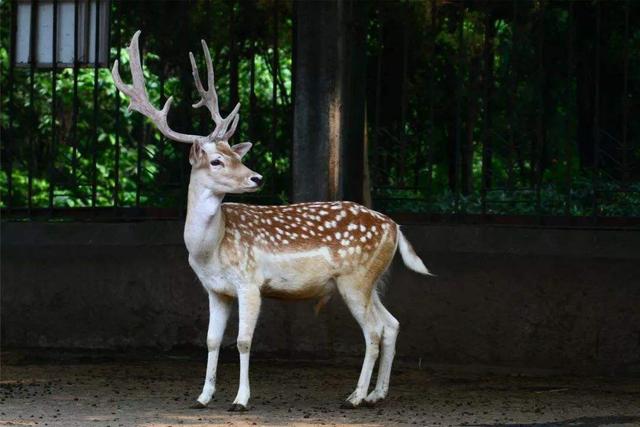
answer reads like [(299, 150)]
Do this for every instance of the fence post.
[(488, 82), (596, 117), (74, 117), (538, 153), (274, 95), (96, 65), (54, 69), (567, 144), (116, 166), (10, 85), (460, 87), (625, 101)]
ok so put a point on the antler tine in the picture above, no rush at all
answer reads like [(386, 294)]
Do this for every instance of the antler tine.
[(122, 86), (139, 99), (210, 76), (135, 63), (234, 123), (209, 99)]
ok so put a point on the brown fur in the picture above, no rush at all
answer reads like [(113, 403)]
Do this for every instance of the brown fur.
[(349, 230)]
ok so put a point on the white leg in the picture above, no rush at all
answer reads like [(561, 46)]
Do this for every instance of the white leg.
[(219, 309), (364, 312), (389, 335), (248, 310)]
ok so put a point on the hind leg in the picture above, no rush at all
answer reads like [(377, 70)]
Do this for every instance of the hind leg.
[(358, 299), (389, 335)]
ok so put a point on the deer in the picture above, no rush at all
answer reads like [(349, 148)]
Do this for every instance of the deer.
[(297, 251)]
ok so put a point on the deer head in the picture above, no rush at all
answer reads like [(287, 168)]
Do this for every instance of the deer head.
[(217, 165)]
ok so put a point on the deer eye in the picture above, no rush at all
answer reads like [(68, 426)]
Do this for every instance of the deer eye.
[(216, 162)]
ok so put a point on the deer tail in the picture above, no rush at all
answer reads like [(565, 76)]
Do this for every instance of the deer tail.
[(409, 256)]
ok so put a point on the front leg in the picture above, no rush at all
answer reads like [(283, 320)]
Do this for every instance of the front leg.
[(219, 310), (248, 309)]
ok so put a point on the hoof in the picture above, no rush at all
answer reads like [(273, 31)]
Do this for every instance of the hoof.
[(237, 407), (347, 404), (197, 405)]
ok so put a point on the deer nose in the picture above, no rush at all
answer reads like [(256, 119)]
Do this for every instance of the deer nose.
[(257, 179)]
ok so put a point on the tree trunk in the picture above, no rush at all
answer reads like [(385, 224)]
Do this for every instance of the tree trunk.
[(352, 43), (328, 148)]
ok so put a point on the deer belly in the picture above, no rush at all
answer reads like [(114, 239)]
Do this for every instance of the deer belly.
[(297, 275)]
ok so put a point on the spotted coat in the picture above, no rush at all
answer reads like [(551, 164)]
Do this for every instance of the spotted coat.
[(351, 232)]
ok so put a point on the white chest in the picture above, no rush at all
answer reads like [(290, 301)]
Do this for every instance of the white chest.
[(216, 278)]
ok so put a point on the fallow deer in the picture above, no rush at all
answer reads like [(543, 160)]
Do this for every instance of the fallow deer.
[(299, 251)]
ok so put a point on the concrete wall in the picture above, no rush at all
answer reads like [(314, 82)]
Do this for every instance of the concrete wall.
[(565, 299)]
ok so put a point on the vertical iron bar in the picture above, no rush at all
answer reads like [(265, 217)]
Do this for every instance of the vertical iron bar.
[(274, 96), (234, 60), (11, 89), (401, 181), (182, 212), (139, 141), (161, 139), (54, 69), (96, 66), (570, 98), (252, 90), (139, 152), (380, 156), (116, 166), (487, 93), (107, 43), (512, 99), (430, 142), (32, 69), (460, 83), (540, 131), (74, 119), (183, 149), (294, 44), (596, 119), (626, 150)]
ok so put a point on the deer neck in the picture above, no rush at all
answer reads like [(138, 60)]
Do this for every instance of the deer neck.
[(204, 226)]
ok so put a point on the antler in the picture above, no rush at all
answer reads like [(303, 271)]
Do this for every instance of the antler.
[(139, 99), (209, 99)]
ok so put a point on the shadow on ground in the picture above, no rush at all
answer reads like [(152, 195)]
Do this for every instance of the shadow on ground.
[(120, 391), (575, 422)]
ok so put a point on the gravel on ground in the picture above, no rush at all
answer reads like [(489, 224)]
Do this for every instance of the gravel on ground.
[(159, 392)]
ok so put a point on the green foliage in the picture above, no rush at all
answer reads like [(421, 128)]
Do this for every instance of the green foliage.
[(440, 130), (494, 112), (84, 150)]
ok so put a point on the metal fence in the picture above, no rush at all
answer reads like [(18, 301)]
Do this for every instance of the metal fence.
[(471, 111), (519, 109), (72, 150)]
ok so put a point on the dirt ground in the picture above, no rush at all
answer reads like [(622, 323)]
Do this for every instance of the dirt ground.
[(158, 392)]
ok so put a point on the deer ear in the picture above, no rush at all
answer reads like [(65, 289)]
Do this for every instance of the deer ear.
[(196, 154), (242, 148)]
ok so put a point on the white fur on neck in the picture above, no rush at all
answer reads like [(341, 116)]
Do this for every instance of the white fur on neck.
[(204, 226)]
